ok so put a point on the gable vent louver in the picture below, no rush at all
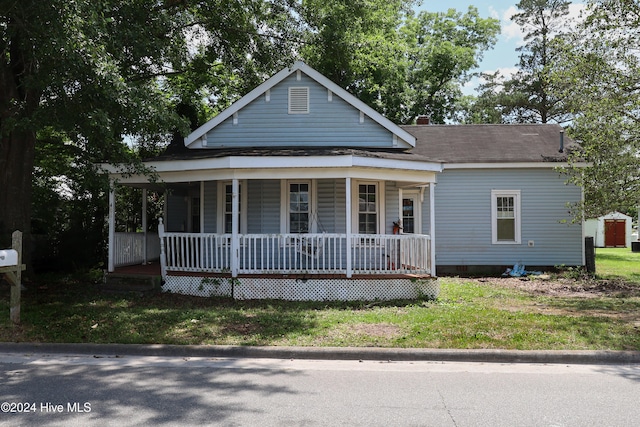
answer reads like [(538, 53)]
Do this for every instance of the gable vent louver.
[(298, 100)]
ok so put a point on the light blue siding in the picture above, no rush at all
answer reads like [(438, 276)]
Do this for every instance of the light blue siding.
[(210, 207), (392, 213), (426, 210), (463, 218), (263, 211), (331, 206), (328, 124)]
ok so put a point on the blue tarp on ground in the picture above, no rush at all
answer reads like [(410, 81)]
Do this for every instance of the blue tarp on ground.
[(518, 270)]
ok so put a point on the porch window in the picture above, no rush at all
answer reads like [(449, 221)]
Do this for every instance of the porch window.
[(299, 207), (505, 207), (225, 219), (368, 208), (228, 216)]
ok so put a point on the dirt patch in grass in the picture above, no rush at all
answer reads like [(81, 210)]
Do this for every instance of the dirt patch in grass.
[(564, 287), (381, 330), (615, 299), (361, 334)]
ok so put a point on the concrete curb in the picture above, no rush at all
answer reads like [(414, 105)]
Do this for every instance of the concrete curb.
[(594, 357)]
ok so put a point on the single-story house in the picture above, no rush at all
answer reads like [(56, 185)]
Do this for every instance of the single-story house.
[(301, 191), (613, 230)]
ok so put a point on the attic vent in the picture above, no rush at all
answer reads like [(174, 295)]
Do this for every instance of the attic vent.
[(298, 100)]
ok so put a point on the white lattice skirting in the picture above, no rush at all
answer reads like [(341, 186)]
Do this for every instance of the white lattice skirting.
[(304, 289)]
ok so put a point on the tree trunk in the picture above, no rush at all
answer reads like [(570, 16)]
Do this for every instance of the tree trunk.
[(17, 152), (19, 100)]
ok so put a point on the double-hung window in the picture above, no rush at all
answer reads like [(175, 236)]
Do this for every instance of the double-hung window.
[(368, 208), (225, 207), (299, 207), (505, 216)]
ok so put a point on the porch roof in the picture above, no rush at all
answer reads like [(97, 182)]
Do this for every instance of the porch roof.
[(289, 162), (378, 153)]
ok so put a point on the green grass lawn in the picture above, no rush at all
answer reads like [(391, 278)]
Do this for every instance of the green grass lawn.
[(618, 263), (468, 314)]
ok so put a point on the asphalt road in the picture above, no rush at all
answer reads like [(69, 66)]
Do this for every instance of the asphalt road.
[(59, 390)]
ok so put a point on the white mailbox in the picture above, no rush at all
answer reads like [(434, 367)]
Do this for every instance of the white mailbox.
[(8, 257)]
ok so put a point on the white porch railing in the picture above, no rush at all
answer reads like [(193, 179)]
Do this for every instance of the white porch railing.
[(130, 248), (298, 253)]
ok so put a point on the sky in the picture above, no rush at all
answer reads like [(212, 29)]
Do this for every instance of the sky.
[(503, 56)]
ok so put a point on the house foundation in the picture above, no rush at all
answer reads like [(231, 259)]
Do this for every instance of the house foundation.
[(302, 288)]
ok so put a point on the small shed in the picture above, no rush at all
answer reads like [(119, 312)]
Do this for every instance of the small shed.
[(610, 231)]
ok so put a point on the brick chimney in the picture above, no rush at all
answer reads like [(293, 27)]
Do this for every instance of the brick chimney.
[(423, 120)]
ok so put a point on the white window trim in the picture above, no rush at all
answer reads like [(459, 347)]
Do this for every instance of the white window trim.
[(381, 203), (308, 95), (494, 216), (285, 227), (243, 206)]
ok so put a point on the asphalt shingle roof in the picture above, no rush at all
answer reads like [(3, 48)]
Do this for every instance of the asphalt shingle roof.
[(435, 143), (490, 143)]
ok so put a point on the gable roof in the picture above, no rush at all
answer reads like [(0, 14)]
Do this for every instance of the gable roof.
[(499, 144), (319, 78)]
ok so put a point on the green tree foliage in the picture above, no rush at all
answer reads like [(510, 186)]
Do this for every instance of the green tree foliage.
[(400, 64), (357, 45), (601, 74), (530, 95), (443, 48), (95, 70)]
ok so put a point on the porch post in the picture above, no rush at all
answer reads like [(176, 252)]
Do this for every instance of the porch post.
[(203, 256), (112, 226), (201, 206), (348, 225), (163, 255), (235, 241), (432, 226), (144, 226)]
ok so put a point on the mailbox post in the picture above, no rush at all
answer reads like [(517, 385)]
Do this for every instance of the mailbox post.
[(11, 266)]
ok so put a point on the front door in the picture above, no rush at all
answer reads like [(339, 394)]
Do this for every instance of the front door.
[(410, 213)]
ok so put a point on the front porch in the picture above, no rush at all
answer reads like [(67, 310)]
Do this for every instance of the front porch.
[(310, 254), (288, 266), (316, 231)]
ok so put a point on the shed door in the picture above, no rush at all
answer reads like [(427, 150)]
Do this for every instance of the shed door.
[(614, 233)]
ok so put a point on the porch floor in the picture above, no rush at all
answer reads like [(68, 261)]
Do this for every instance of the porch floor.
[(153, 270)]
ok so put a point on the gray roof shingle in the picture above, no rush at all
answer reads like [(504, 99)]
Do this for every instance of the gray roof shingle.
[(435, 143), (490, 143)]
